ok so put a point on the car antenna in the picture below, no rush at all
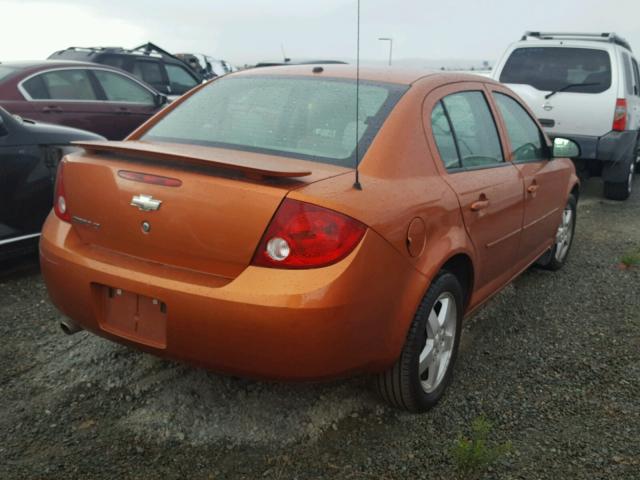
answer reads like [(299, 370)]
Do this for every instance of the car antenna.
[(357, 184)]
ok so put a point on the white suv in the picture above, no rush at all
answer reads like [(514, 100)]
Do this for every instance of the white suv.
[(585, 87)]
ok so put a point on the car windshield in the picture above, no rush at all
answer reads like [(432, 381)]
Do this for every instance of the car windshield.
[(5, 71), (551, 69), (306, 118)]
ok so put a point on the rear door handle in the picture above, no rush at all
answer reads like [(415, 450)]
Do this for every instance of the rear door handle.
[(123, 111), (479, 205), (52, 109)]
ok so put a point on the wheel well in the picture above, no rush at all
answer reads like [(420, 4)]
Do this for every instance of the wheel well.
[(575, 191), (462, 267)]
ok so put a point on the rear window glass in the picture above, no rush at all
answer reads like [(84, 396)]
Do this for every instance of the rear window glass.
[(553, 68), (305, 118), (6, 71)]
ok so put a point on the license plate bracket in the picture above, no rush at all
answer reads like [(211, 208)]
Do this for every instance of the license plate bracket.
[(134, 317)]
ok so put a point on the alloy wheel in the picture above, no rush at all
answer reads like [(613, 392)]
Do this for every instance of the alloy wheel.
[(564, 234), (438, 349)]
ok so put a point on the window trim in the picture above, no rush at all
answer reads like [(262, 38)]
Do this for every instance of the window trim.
[(28, 97), (463, 168), (543, 137)]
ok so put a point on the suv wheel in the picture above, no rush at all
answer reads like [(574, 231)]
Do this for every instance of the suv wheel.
[(620, 190), (419, 377)]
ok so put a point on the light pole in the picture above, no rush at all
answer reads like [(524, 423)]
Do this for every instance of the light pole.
[(390, 40)]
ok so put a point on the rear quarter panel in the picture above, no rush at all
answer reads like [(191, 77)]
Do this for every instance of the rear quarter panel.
[(401, 184)]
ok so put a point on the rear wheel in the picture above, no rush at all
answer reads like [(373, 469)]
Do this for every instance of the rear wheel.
[(621, 190), (419, 377), (557, 256)]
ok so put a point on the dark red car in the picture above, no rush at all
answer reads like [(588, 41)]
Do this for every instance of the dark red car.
[(83, 95)]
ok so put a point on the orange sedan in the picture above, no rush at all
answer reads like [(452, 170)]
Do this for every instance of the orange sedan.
[(232, 231)]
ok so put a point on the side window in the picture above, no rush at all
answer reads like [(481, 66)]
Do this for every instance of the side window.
[(443, 136), (150, 72), (636, 75), (474, 129), (628, 76), (119, 88), (179, 79), (526, 138), (61, 85), (117, 61), (36, 88)]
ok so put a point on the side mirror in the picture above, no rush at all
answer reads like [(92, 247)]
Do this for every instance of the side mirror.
[(565, 148), (3, 129), (160, 100)]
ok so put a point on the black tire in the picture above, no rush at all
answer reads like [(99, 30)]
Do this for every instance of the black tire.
[(620, 191), (550, 261), (401, 386)]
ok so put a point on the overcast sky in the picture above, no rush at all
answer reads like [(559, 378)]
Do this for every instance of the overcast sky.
[(246, 31)]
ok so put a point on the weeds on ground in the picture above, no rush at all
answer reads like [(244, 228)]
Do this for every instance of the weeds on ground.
[(631, 259), (473, 455)]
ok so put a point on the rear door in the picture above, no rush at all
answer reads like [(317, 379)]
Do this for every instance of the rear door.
[(66, 96), (152, 73), (544, 181), (180, 79), (131, 103), (489, 188)]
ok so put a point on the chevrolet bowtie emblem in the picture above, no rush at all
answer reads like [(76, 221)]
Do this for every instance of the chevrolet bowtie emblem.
[(146, 203)]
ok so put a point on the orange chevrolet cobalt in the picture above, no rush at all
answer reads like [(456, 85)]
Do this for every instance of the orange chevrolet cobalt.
[(234, 231)]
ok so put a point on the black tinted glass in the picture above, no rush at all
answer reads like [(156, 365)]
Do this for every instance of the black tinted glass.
[(554, 68)]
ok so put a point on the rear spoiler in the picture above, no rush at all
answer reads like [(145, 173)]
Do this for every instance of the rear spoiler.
[(197, 155)]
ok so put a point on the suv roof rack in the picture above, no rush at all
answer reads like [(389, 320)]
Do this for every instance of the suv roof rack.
[(598, 37)]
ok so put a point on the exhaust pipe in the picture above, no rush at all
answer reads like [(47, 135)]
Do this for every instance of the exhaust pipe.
[(69, 327)]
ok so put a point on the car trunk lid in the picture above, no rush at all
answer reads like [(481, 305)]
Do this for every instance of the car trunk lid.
[(212, 222)]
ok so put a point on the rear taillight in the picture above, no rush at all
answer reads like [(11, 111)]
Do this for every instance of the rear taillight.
[(302, 235), (59, 199), (620, 116)]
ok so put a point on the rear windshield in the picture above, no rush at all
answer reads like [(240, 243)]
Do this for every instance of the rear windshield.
[(553, 68), (306, 118)]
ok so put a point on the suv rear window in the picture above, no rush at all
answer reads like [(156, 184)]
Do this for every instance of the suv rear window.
[(305, 118), (554, 68)]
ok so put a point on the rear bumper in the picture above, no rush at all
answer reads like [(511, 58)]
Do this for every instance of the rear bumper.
[(347, 318)]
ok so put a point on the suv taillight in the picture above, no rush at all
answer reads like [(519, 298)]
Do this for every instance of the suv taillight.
[(620, 116), (59, 199), (302, 235)]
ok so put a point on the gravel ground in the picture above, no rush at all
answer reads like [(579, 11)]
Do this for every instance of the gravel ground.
[(553, 362)]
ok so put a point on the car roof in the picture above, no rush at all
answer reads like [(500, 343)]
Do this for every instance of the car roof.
[(44, 64), (397, 75)]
